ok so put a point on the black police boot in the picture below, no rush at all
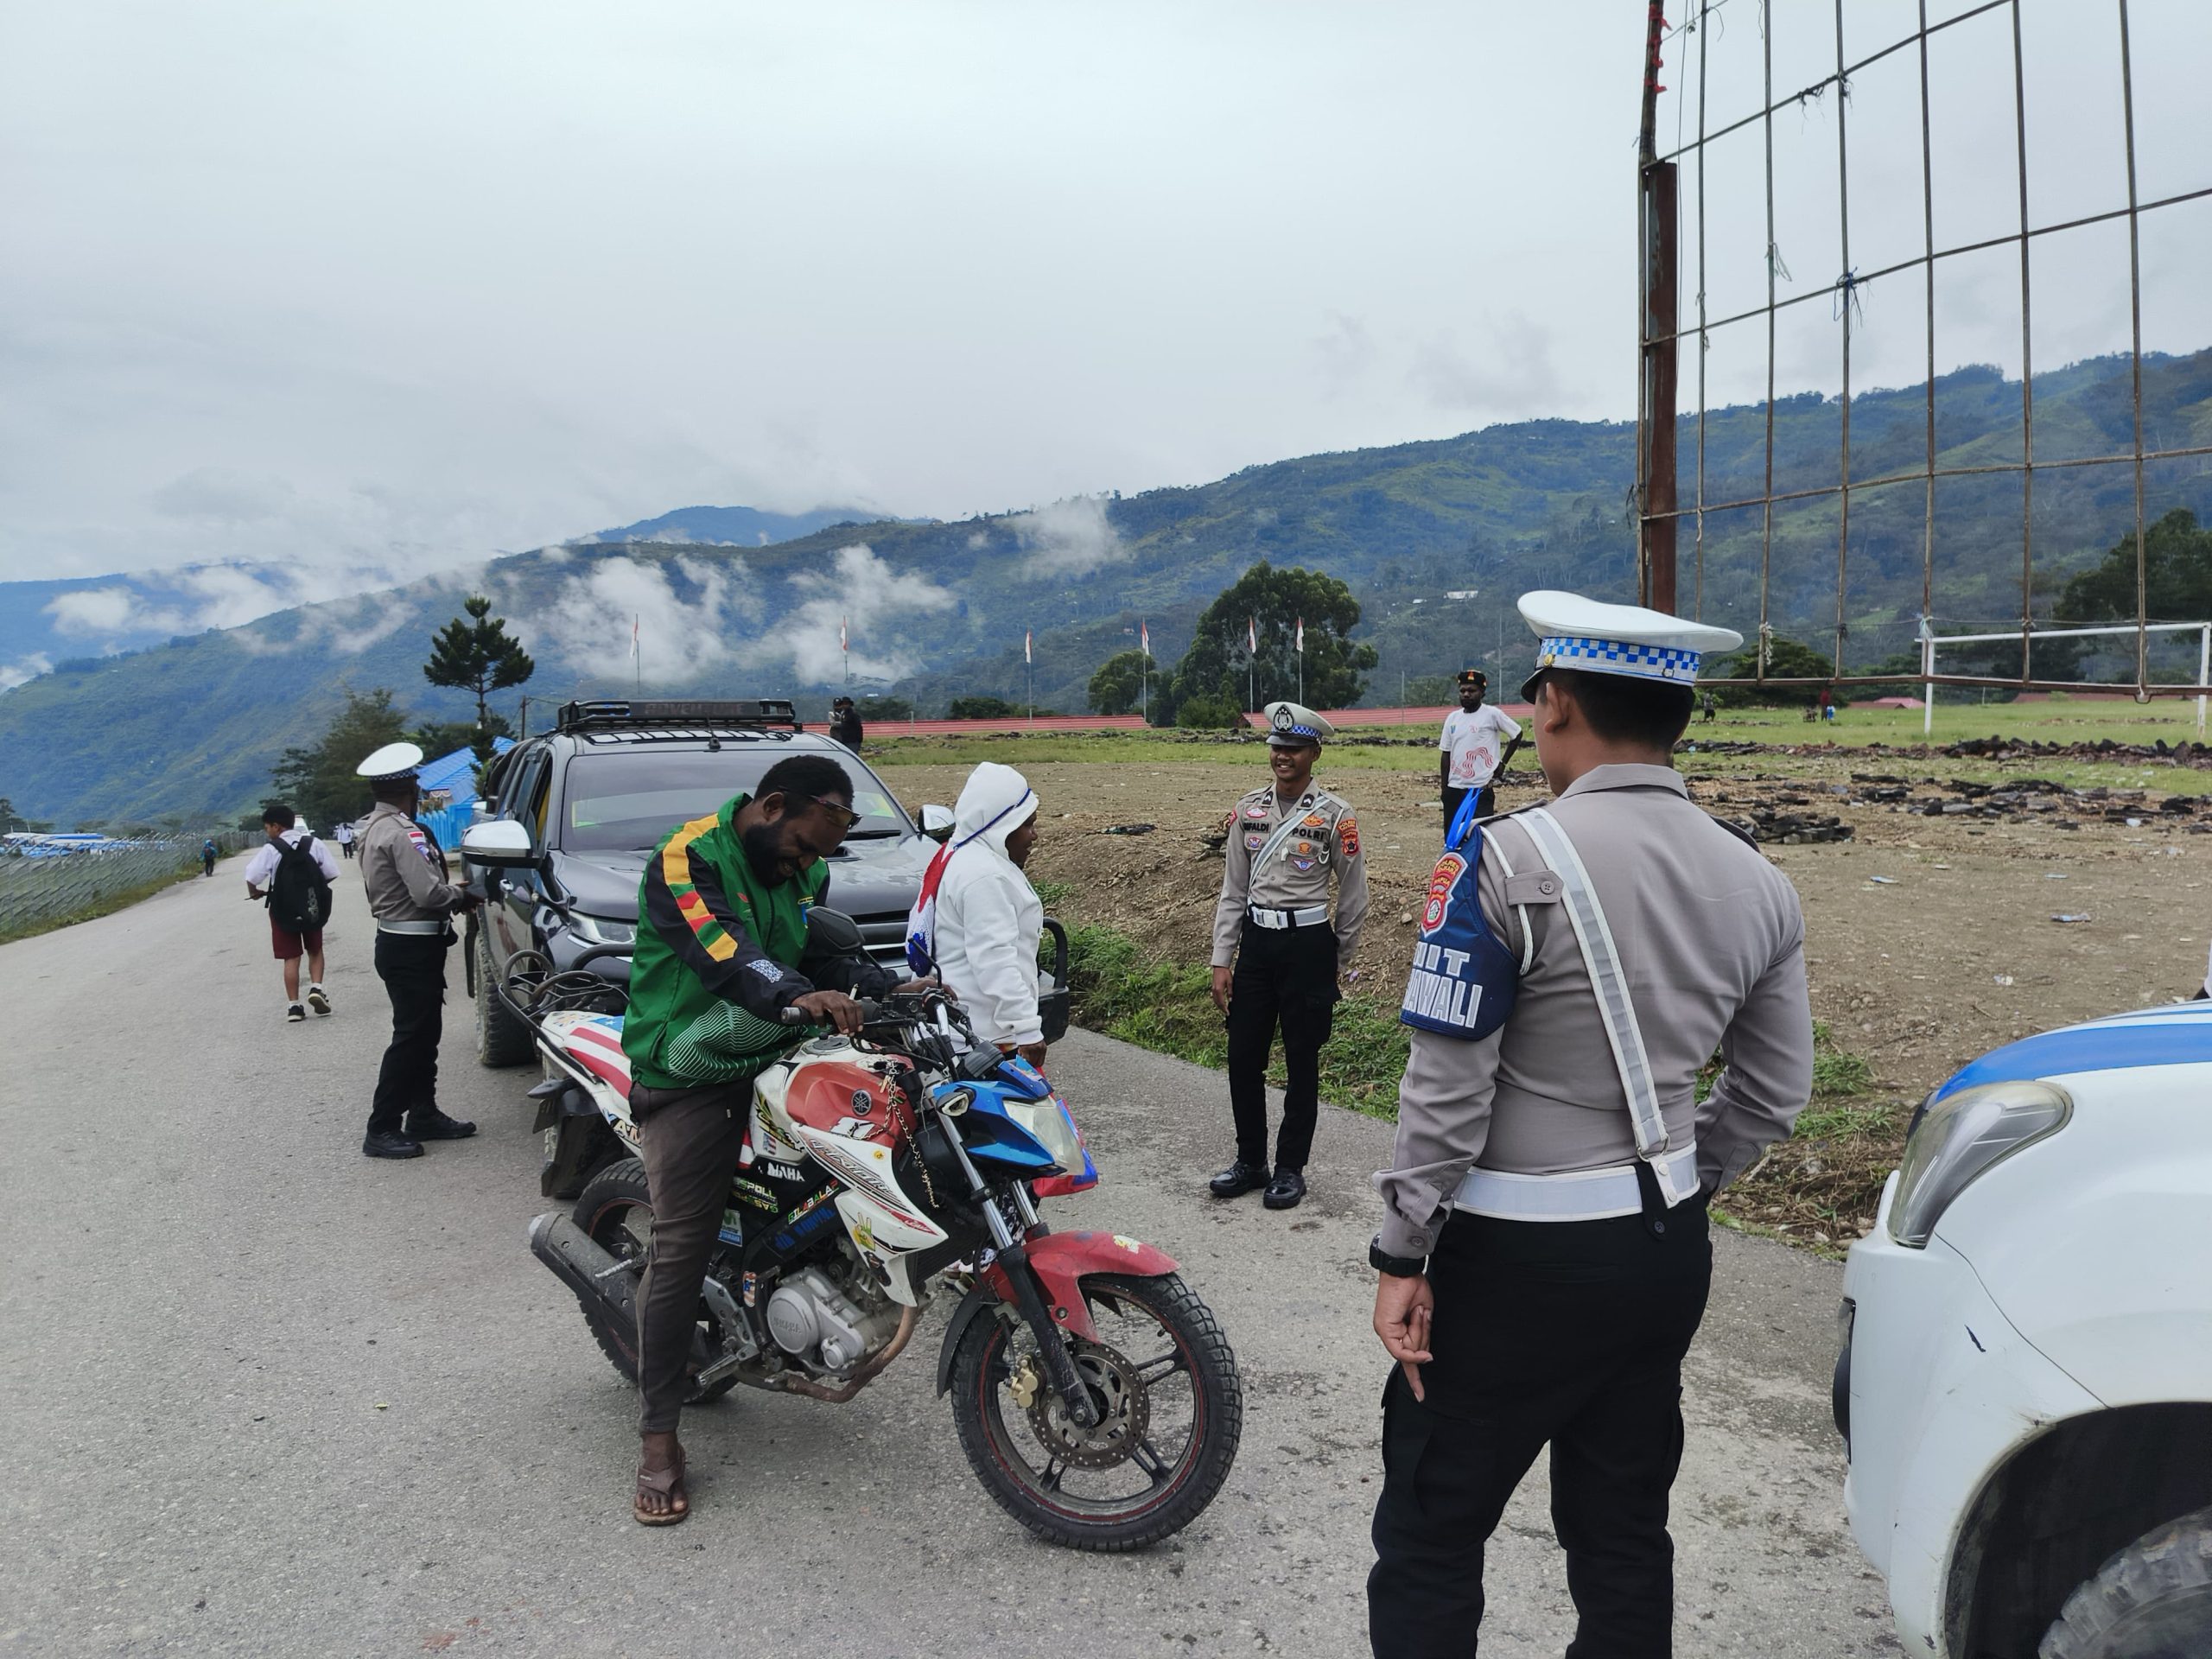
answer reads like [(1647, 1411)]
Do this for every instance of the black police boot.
[(390, 1143), (1286, 1190), (431, 1124), (1238, 1179)]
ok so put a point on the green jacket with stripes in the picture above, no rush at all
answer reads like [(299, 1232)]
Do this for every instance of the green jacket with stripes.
[(717, 959)]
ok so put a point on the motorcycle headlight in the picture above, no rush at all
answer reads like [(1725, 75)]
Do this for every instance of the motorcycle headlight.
[(1961, 1137), (1050, 1122), (599, 930)]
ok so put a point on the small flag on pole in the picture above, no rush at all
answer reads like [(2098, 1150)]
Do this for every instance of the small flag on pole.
[(1299, 647), (1252, 635), (1144, 637), (1027, 638)]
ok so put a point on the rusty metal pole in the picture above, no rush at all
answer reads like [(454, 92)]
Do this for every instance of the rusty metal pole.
[(1658, 321)]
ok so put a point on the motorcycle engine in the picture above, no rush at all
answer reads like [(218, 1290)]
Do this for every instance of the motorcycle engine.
[(808, 1312)]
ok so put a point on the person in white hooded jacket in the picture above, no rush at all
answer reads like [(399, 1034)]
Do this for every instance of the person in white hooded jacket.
[(988, 919)]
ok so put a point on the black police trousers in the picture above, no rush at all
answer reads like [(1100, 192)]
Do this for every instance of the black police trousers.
[(1484, 807), (413, 968), (1284, 976), (1569, 1334)]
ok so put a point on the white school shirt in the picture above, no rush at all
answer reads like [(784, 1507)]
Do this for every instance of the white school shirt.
[(1476, 741), (261, 869)]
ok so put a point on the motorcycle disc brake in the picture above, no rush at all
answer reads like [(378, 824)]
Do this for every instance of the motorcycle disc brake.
[(1124, 1411)]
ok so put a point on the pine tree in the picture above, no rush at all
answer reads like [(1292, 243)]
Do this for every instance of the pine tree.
[(480, 656)]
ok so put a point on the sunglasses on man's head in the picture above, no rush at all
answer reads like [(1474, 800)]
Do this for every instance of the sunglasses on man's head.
[(843, 817)]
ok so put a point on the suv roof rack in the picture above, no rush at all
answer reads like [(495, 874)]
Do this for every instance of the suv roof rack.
[(771, 713)]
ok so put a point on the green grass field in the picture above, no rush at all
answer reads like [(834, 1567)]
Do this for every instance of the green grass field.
[(2057, 719)]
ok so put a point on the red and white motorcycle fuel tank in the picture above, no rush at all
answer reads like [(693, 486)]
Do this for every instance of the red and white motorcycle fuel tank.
[(826, 1101)]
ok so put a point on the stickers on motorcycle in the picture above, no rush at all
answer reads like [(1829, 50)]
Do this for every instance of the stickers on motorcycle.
[(863, 1102), (780, 1172), (755, 1194), (733, 1228), (750, 1288)]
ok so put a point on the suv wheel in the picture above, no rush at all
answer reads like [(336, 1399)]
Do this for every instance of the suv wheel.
[(502, 1038), (2151, 1600)]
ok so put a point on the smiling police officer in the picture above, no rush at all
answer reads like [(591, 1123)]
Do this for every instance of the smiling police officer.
[(1287, 840), (1543, 1254)]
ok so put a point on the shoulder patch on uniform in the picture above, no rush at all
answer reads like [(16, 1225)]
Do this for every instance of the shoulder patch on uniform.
[(1738, 830), (1348, 834)]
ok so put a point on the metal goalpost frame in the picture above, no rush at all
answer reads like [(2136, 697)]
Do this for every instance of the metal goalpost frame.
[(1661, 334), (1930, 642)]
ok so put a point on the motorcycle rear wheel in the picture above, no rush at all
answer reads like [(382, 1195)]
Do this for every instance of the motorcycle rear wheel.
[(1131, 1494), (615, 1209)]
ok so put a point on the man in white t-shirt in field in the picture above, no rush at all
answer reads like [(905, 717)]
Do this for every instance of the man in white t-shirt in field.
[(1478, 741)]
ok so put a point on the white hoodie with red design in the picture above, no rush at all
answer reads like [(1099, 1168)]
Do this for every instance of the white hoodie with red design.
[(987, 917)]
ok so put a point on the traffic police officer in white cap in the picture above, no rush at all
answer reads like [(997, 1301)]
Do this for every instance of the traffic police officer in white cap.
[(1288, 840), (1543, 1258), (412, 897)]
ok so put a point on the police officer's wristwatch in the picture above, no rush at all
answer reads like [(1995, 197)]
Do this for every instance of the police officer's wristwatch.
[(1397, 1266)]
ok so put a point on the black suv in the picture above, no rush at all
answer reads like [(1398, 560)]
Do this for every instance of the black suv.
[(599, 792)]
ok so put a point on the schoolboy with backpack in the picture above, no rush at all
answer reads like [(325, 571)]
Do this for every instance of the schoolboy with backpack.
[(292, 875)]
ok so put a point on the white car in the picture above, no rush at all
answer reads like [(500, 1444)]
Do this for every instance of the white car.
[(2025, 1386)]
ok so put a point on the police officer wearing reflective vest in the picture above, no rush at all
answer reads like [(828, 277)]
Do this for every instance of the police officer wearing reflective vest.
[(1286, 842), (1543, 1258), (414, 898)]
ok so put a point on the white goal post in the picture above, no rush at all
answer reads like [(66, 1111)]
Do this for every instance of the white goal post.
[(1929, 640)]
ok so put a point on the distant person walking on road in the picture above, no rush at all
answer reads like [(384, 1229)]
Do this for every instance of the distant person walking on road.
[(346, 840), (1287, 840), (208, 852), (1477, 742), (291, 872), (845, 724), (403, 872)]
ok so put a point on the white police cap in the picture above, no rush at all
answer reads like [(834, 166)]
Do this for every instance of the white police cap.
[(392, 761), (1627, 640), (1292, 726)]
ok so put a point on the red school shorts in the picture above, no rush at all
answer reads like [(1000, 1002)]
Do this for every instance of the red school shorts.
[(287, 946)]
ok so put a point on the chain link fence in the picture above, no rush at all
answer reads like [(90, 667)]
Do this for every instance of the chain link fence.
[(37, 893)]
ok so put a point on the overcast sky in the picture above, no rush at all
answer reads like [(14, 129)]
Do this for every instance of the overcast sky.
[(402, 283)]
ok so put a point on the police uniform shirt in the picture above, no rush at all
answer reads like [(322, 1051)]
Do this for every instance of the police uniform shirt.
[(1711, 937), (403, 872), (1475, 739), (1296, 876)]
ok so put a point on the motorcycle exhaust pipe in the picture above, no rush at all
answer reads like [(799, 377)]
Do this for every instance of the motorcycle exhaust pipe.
[(601, 1280)]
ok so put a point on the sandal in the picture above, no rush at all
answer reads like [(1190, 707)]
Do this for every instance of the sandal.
[(665, 1483)]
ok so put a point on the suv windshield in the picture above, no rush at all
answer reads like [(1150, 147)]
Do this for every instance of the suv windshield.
[(627, 802)]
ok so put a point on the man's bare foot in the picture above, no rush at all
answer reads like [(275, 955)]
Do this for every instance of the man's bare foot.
[(660, 1500)]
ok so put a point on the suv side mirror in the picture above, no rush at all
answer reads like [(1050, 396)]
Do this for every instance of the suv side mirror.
[(501, 844), (937, 823)]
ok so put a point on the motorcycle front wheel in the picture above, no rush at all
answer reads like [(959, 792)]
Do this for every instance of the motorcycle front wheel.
[(1170, 1405)]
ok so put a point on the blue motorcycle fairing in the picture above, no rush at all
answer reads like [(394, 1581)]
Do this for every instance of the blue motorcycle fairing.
[(988, 1133), (1022, 1078)]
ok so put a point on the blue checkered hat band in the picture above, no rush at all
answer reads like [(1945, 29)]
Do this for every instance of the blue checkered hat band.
[(1617, 657)]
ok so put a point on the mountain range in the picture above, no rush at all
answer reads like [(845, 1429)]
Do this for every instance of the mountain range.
[(1435, 539)]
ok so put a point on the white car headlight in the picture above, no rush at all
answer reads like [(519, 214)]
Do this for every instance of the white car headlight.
[(599, 929), (1960, 1138)]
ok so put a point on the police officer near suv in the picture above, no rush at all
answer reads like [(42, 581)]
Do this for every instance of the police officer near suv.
[(1543, 1259), (414, 898), (1287, 841)]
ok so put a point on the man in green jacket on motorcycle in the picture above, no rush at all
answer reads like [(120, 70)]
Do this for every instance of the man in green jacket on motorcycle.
[(722, 935)]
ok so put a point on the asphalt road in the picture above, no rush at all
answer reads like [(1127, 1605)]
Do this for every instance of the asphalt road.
[(266, 1396)]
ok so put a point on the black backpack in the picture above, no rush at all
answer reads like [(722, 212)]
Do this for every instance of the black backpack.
[(299, 894)]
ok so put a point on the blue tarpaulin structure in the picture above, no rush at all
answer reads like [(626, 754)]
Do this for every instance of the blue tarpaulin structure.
[(452, 776)]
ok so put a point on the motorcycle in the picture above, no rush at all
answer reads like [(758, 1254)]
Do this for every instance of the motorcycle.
[(1094, 1394)]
